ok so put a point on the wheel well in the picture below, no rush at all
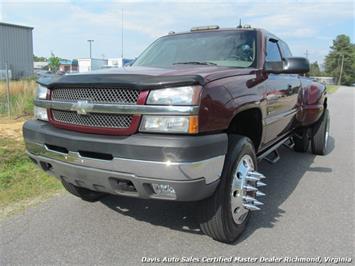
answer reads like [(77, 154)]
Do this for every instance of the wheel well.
[(248, 123)]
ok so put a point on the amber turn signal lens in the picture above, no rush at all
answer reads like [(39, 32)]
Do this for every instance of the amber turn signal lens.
[(193, 124)]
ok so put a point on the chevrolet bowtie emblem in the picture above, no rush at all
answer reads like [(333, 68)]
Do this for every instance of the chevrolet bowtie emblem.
[(82, 107)]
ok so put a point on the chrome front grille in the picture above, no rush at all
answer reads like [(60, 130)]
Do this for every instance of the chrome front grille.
[(106, 95), (97, 120), (96, 95)]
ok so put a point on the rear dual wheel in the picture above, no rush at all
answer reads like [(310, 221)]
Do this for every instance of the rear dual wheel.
[(301, 140), (317, 136), (320, 133)]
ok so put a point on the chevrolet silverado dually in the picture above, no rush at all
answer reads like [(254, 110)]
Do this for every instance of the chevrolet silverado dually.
[(187, 121)]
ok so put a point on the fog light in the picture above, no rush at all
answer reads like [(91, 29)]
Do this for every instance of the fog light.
[(164, 190), (40, 113)]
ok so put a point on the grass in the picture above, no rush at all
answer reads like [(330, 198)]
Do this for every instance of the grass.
[(21, 98), (21, 182), (332, 88)]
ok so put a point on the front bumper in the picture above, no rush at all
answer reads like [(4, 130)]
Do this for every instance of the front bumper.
[(191, 165)]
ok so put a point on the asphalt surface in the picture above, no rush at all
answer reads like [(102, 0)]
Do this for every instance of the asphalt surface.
[(308, 212)]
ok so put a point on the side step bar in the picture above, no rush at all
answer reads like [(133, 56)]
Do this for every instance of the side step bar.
[(289, 144), (271, 155)]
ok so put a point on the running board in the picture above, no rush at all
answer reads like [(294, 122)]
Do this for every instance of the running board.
[(289, 143), (273, 157), (273, 150)]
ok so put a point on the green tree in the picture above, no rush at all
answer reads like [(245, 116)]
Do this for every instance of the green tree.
[(342, 47), (314, 70), (54, 63), (39, 59)]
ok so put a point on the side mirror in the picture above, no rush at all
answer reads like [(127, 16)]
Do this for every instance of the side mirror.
[(296, 65), (290, 65)]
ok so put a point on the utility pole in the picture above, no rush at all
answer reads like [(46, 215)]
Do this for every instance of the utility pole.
[(240, 24), (306, 54), (122, 38), (341, 69), (90, 41)]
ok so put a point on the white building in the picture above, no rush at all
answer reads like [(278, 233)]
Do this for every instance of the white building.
[(39, 65), (118, 62), (87, 64), (114, 62), (325, 80)]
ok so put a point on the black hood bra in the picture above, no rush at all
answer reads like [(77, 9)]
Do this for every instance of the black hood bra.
[(134, 81)]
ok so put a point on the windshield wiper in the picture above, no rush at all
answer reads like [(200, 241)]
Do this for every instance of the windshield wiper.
[(195, 63)]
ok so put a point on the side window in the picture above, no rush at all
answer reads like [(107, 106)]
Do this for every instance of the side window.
[(285, 50), (272, 52)]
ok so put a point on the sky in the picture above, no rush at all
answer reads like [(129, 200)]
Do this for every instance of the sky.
[(63, 26)]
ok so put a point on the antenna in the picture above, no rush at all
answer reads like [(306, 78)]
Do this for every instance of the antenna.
[(240, 24), (122, 36)]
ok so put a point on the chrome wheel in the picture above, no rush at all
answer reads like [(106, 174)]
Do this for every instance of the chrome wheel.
[(244, 189), (326, 135)]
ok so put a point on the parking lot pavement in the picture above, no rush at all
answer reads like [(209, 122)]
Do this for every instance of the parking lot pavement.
[(308, 212)]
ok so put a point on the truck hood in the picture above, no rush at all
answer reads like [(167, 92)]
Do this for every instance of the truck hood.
[(145, 77)]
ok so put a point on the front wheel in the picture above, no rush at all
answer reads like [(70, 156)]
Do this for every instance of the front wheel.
[(225, 215)]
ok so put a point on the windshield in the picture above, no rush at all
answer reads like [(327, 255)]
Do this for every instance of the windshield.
[(222, 48)]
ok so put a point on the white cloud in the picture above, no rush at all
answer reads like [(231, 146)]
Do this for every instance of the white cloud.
[(1, 7), (64, 26)]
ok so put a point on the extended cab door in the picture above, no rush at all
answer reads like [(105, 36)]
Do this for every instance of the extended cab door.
[(282, 94)]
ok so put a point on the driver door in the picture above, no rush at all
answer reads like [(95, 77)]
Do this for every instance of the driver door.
[(281, 95)]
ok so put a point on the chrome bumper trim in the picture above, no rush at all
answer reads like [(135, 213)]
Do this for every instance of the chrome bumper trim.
[(87, 107), (210, 169)]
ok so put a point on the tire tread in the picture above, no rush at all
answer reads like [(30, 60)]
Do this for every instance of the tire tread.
[(318, 131)]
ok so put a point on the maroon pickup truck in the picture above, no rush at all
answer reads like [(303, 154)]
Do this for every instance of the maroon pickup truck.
[(187, 121)]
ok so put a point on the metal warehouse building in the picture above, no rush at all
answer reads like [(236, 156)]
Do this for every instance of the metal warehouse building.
[(16, 50)]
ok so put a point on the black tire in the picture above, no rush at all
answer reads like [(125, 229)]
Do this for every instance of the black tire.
[(215, 215), (320, 134), (83, 193), (301, 140)]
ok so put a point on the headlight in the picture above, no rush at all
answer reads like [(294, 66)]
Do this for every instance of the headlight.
[(169, 124), (41, 92), (40, 113), (188, 95)]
